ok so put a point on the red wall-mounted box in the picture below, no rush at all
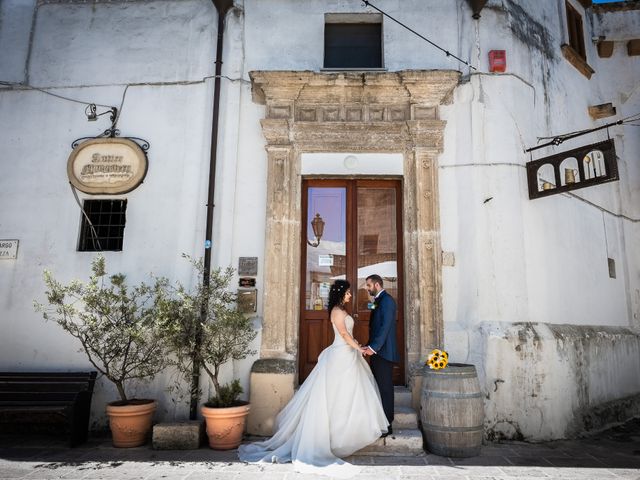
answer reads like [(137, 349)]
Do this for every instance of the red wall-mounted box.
[(497, 61)]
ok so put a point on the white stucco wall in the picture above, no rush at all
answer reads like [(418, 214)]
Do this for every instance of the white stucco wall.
[(516, 260), (102, 50), (543, 260)]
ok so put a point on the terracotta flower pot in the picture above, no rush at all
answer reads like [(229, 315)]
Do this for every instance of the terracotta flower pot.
[(225, 425), (130, 422)]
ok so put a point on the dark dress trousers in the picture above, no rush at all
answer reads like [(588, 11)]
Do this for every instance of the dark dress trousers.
[(382, 339)]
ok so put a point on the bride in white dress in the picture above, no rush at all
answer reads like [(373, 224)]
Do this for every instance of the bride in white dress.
[(336, 411)]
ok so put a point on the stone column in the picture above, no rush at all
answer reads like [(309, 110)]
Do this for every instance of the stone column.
[(273, 376), (423, 252), (281, 278)]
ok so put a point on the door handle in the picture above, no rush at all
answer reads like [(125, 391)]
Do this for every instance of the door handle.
[(355, 315)]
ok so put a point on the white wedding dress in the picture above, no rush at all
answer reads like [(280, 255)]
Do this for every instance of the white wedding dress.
[(336, 412)]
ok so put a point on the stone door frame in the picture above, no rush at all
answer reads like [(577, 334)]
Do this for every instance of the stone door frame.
[(377, 112)]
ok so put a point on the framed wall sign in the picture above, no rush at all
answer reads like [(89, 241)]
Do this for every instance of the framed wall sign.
[(248, 266)]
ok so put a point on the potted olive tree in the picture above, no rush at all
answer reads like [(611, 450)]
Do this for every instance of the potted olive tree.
[(203, 326), (117, 327)]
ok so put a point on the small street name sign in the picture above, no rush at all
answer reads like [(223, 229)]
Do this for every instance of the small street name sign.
[(8, 249)]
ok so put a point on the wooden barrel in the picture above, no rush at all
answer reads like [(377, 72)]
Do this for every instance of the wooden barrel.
[(452, 411)]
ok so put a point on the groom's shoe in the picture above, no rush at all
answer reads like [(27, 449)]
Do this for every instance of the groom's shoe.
[(388, 432)]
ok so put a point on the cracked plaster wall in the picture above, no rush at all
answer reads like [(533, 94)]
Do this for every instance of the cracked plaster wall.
[(545, 261), (528, 364)]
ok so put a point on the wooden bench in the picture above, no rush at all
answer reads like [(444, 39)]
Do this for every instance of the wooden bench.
[(48, 397)]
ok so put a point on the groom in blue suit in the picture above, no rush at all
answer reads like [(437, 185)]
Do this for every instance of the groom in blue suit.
[(382, 343)]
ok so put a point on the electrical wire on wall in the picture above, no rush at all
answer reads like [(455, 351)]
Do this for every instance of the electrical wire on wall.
[(94, 234), (446, 52)]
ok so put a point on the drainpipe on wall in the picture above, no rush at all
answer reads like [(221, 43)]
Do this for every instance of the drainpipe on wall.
[(222, 6)]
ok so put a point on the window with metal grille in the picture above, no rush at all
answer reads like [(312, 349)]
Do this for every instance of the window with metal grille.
[(576, 31), (102, 225), (353, 45)]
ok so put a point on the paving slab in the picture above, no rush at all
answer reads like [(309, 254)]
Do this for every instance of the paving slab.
[(614, 454)]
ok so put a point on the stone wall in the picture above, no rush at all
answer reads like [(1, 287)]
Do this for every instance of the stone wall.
[(545, 381)]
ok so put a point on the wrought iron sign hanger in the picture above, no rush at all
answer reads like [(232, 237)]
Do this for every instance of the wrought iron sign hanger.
[(107, 164), (557, 140), (111, 132)]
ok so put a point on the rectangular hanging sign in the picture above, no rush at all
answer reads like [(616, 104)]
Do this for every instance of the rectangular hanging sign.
[(578, 168)]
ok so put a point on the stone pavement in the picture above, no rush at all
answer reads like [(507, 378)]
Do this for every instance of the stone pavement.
[(614, 454)]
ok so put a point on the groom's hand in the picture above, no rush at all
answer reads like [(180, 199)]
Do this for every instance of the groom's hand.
[(368, 351)]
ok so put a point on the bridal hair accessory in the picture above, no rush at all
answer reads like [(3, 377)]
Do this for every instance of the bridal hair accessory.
[(438, 359), (339, 287)]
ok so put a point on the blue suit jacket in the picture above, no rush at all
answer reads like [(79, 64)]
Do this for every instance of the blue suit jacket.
[(382, 328)]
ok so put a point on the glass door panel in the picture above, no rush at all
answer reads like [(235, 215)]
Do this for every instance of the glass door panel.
[(377, 240), (377, 253), (326, 256)]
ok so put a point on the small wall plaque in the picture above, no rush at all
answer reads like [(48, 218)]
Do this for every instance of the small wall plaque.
[(8, 249), (248, 266), (247, 300), (247, 282)]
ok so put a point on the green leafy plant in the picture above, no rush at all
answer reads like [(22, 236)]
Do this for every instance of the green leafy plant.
[(115, 324), (202, 324), (227, 395)]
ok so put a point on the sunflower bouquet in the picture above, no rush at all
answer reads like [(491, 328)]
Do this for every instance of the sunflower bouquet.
[(437, 359)]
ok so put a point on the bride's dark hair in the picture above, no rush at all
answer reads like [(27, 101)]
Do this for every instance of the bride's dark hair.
[(337, 293)]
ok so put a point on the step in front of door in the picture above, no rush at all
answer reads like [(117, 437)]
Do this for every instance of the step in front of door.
[(405, 418), (401, 397), (400, 443)]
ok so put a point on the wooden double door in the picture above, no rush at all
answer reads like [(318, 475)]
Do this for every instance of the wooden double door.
[(361, 223)]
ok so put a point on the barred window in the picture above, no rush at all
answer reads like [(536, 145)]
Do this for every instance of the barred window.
[(102, 226)]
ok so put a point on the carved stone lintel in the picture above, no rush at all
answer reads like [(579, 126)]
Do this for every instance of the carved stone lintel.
[(430, 87), (427, 88)]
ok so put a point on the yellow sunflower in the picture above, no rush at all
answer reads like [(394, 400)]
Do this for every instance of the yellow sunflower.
[(437, 359)]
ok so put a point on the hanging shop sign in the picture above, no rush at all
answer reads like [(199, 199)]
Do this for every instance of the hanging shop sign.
[(107, 166), (578, 168)]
